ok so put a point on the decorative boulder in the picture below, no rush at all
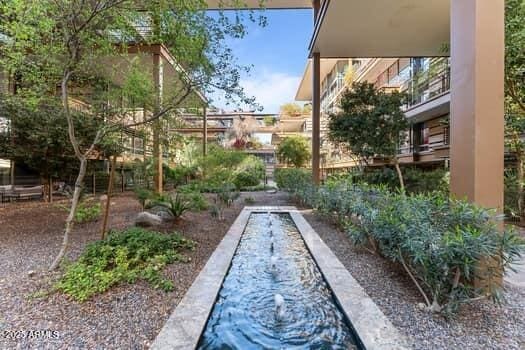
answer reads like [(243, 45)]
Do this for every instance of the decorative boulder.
[(145, 219), (162, 212)]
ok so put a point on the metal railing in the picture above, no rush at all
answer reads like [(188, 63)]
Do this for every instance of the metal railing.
[(426, 85)]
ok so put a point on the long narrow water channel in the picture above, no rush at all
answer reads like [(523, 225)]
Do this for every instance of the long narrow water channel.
[(249, 312)]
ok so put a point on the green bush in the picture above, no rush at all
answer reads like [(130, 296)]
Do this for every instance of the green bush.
[(143, 195), (511, 194), (181, 175), (291, 178), (176, 204), (87, 212), (197, 200), (440, 242), (221, 166), (416, 180), (294, 150), (124, 256)]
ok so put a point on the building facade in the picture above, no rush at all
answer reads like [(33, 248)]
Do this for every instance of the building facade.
[(426, 81)]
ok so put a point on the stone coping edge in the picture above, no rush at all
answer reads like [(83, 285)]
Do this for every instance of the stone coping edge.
[(184, 327)]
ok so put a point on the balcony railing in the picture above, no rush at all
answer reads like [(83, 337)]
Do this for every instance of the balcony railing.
[(427, 85)]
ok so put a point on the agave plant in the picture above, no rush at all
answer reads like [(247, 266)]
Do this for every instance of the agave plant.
[(176, 205)]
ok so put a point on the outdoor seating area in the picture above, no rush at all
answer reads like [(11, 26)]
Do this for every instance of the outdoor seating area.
[(17, 193)]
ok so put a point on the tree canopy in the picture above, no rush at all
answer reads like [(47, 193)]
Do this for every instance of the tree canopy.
[(370, 123), (103, 57), (293, 109), (294, 150)]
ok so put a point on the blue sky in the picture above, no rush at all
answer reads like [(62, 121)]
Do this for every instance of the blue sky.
[(278, 53)]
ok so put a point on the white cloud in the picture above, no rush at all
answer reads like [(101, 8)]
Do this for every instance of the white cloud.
[(271, 89)]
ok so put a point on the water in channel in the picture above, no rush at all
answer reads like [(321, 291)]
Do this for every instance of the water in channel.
[(275, 297)]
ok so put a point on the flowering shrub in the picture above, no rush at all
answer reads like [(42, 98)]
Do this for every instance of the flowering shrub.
[(440, 242)]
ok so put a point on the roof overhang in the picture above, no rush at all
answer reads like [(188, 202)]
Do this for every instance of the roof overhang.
[(382, 28), (258, 4), (304, 92)]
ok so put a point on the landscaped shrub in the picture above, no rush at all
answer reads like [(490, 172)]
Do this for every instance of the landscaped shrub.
[(511, 194), (124, 256), (197, 200), (181, 175), (416, 180), (439, 242), (291, 178), (224, 198), (87, 211), (176, 204), (143, 195), (249, 172), (221, 166)]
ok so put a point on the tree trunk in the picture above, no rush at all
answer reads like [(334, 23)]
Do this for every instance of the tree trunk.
[(108, 195), (399, 174), (50, 193), (70, 221), (47, 191)]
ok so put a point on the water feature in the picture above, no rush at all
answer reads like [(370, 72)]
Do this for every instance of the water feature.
[(275, 298)]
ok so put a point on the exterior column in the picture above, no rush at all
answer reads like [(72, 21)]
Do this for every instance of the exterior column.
[(316, 104), (477, 101), (316, 116), (157, 126), (205, 131), (316, 5)]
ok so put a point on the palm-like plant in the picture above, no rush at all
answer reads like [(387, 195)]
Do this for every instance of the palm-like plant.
[(176, 205)]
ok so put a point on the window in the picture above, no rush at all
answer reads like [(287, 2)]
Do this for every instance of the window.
[(425, 132)]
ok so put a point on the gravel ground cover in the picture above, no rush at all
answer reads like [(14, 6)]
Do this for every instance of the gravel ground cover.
[(130, 316), (481, 325), (125, 317)]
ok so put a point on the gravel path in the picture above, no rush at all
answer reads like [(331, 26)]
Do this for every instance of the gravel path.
[(130, 316), (481, 325), (125, 317)]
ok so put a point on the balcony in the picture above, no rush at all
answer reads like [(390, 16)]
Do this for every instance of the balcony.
[(429, 84)]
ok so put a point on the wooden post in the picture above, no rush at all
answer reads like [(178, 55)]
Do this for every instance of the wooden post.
[(157, 127), (50, 189), (108, 195), (94, 185), (122, 179), (205, 131)]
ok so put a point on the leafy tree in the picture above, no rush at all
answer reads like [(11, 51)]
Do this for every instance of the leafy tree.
[(294, 150), (370, 123), (80, 48), (37, 137), (294, 109), (515, 89)]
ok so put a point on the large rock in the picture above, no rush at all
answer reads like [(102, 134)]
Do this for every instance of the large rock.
[(162, 212), (145, 219)]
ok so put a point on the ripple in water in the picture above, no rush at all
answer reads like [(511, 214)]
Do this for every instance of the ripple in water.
[(244, 316)]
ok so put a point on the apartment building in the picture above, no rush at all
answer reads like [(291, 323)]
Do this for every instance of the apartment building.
[(220, 128), (138, 141), (426, 81)]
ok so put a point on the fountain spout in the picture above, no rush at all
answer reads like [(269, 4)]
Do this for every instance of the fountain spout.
[(272, 241), (279, 306), (273, 264)]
